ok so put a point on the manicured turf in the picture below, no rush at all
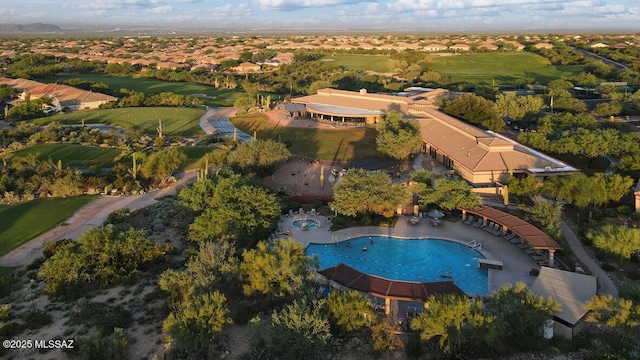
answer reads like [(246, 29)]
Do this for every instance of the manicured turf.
[(381, 64), (175, 121), (501, 68), (218, 96), (75, 156), (194, 156), (22, 222), (337, 145)]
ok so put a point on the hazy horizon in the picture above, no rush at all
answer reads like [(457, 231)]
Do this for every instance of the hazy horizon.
[(331, 15)]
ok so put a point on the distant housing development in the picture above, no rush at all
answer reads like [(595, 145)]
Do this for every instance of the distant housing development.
[(62, 96), (483, 158)]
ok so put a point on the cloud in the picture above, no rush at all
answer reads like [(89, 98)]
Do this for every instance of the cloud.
[(303, 4), (164, 9)]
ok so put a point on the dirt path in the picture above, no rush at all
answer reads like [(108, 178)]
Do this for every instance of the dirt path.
[(89, 216)]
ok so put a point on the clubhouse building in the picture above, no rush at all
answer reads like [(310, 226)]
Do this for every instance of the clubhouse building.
[(483, 158)]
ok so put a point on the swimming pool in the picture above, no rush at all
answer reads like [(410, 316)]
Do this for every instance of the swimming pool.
[(420, 260), (305, 224)]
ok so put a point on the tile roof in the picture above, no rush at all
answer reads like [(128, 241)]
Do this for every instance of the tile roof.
[(377, 286)]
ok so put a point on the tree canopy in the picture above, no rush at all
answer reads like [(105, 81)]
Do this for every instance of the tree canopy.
[(397, 137), (348, 310), (616, 239), (259, 156), (161, 165), (476, 110), (367, 192), (277, 271), (233, 208), (621, 315), (100, 257), (450, 194)]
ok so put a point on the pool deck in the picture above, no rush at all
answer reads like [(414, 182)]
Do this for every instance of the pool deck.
[(516, 263)]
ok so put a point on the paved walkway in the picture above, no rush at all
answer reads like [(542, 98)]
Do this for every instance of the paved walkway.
[(89, 216), (204, 122), (607, 287), (216, 121)]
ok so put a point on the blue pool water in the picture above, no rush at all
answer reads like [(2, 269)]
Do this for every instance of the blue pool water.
[(310, 224), (420, 260)]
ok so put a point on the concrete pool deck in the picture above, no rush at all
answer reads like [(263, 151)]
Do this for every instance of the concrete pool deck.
[(516, 263)]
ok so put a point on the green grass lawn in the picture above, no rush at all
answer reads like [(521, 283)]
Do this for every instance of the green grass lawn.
[(194, 156), (503, 68), (218, 96), (336, 145), (75, 156), (381, 64), (22, 222), (175, 121)]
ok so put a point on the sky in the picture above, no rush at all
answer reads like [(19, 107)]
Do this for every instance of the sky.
[(377, 15)]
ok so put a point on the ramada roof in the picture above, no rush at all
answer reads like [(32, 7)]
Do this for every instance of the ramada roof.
[(533, 236), (392, 289)]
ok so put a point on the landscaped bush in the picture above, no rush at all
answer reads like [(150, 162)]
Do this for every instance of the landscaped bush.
[(117, 216), (36, 318)]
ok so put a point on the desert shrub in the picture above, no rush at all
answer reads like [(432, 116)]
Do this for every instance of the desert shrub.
[(117, 216), (5, 312), (98, 347), (10, 330), (5, 286), (36, 318), (52, 248), (338, 223), (35, 264), (103, 316), (631, 291), (608, 267), (101, 257), (623, 209)]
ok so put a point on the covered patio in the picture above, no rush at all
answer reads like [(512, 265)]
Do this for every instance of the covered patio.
[(530, 234)]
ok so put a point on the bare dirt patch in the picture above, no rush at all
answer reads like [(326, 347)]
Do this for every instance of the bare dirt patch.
[(302, 176)]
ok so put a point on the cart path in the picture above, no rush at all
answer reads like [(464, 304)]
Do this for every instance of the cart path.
[(87, 217)]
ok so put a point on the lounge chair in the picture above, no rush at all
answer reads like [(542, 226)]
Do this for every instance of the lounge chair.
[(478, 223), (543, 263), (509, 236), (524, 246), (540, 257), (469, 220), (515, 240)]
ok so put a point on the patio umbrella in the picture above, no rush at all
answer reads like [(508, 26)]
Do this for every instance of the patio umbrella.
[(435, 213)]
